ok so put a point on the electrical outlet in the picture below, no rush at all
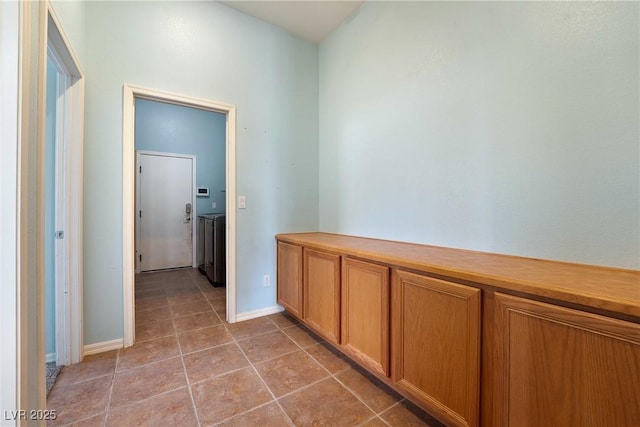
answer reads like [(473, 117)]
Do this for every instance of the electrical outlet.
[(266, 280), (213, 205)]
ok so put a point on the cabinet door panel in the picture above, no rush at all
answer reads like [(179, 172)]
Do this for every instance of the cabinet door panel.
[(365, 313), (322, 293), (557, 366), (436, 345), (290, 278)]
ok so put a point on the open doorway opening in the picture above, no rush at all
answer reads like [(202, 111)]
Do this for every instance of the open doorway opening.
[(63, 199), (132, 95), (173, 192)]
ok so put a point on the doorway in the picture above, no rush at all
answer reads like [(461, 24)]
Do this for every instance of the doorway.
[(131, 94), (63, 198), (165, 225)]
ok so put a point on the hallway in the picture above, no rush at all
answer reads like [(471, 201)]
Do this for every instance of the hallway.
[(191, 368)]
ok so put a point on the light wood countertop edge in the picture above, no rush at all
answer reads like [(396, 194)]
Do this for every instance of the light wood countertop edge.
[(627, 306)]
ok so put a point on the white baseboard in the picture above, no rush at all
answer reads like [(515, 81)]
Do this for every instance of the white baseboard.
[(258, 313), (51, 357), (101, 347)]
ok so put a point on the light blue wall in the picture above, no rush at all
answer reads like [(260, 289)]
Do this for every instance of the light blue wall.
[(71, 14), (509, 127), (506, 127), (206, 50), (49, 212), (176, 129)]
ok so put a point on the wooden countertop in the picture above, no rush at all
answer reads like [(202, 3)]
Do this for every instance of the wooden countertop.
[(610, 289)]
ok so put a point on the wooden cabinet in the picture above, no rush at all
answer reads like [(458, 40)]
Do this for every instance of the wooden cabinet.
[(321, 287), (557, 366), (473, 337), (289, 280), (365, 314), (436, 345)]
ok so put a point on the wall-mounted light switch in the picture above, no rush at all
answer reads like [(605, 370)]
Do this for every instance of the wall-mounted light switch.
[(242, 202)]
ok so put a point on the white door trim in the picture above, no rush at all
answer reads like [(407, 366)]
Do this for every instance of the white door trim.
[(194, 214), (131, 92), (23, 43), (69, 161)]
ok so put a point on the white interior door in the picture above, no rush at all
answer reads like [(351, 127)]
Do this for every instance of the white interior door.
[(165, 211)]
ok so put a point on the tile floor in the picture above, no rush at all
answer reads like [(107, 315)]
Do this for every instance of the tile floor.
[(191, 368)]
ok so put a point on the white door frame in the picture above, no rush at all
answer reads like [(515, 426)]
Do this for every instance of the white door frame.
[(130, 93), (23, 42), (194, 262), (69, 176)]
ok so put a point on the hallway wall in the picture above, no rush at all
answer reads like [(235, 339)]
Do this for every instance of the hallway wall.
[(205, 50), (172, 128), (510, 127)]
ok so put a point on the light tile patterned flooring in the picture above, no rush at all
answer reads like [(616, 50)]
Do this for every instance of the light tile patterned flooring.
[(191, 368)]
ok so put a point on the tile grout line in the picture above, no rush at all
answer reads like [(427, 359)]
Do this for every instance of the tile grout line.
[(233, 371), (308, 354), (262, 379), (355, 394), (251, 364), (186, 378), (238, 415), (223, 321), (334, 376), (234, 340), (304, 387), (182, 354), (392, 406), (205, 348), (137, 402), (176, 334), (143, 365), (260, 334), (368, 420), (330, 374), (113, 380), (184, 368), (84, 380)]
